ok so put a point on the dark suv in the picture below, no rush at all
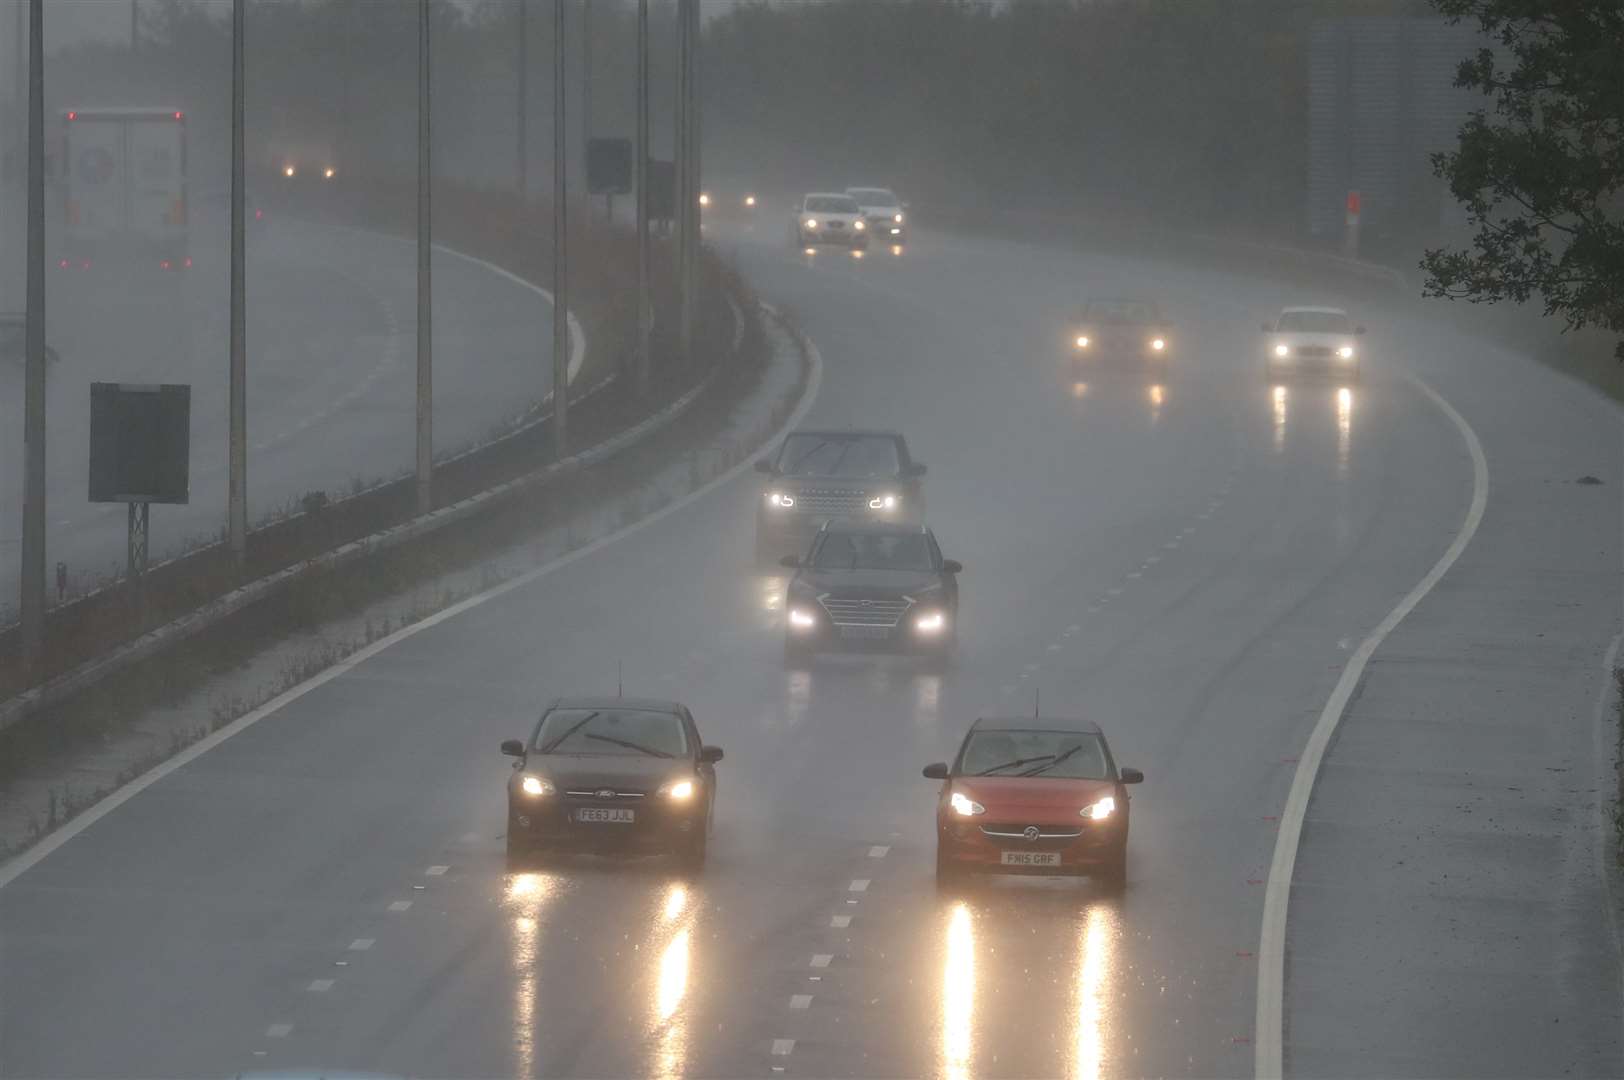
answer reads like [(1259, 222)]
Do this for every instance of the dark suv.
[(865, 585), (820, 475)]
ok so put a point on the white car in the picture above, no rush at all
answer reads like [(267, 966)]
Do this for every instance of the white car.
[(1320, 340), (885, 213), (830, 218)]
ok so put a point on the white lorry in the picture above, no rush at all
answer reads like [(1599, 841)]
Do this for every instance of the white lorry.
[(124, 188)]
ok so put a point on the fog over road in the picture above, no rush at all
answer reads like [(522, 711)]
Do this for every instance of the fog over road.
[(1189, 563)]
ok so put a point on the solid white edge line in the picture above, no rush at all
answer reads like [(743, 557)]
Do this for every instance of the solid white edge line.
[(1269, 1033), (20, 865)]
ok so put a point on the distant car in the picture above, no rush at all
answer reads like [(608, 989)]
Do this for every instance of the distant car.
[(1312, 340), (872, 586), (1033, 795), (818, 475), (1115, 329), (885, 214), (612, 775), (830, 218)]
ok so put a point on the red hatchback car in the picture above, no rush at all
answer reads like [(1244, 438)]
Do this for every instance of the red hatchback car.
[(1035, 795)]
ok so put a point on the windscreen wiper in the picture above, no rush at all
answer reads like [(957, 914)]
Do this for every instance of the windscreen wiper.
[(577, 726), (1051, 764), (1013, 764), (800, 461), (628, 744)]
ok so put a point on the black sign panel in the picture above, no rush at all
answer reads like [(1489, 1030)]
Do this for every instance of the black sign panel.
[(140, 443), (662, 190), (609, 166)]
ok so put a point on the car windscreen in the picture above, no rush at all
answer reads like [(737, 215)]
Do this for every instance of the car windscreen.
[(1061, 755), (873, 551), (839, 455), (639, 732), (1315, 322), (873, 197), (1121, 312), (832, 204)]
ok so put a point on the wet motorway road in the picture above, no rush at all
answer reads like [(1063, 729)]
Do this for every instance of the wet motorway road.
[(1187, 562)]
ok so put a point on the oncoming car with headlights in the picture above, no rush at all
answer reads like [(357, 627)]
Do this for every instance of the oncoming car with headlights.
[(819, 475), (1111, 329), (830, 218), (1033, 795), (612, 775), (871, 586), (883, 211), (1312, 340)]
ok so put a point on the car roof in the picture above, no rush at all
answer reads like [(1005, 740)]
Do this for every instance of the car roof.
[(869, 187), (873, 528), (826, 195), (1320, 310), (607, 702), (1037, 723), (835, 433)]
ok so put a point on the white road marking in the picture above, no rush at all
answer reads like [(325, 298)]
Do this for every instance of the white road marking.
[(1269, 1034), (1054, 648), (1136, 574), (840, 922), (783, 1047), (1153, 560), (436, 871), (821, 960), (1170, 545), (879, 851), (1030, 667), (278, 1031), (362, 944), (858, 885), (400, 905), (1113, 592), (37, 854), (800, 1001), (320, 986)]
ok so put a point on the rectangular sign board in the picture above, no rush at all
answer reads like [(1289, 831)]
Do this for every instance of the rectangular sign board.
[(609, 166), (140, 443)]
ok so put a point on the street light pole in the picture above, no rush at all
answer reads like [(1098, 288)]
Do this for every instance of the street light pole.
[(32, 574), (237, 392), (643, 310), (425, 292), (687, 198), (523, 119), (561, 320)]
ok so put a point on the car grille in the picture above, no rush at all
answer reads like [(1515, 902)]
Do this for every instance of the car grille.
[(1314, 350), (876, 612), (593, 794), (837, 224), (1018, 832), (834, 502)]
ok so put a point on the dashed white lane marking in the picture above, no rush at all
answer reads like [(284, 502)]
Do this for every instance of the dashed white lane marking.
[(858, 885), (1030, 668), (1054, 648), (1006, 689), (840, 922), (800, 1001), (1072, 629), (783, 1047), (1153, 560), (1113, 592), (362, 944), (1136, 574), (822, 959), (879, 851), (1093, 608), (436, 871), (320, 986), (400, 905), (1170, 545), (278, 1031)]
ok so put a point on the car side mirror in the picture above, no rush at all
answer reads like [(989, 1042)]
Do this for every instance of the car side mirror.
[(1131, 776), (710, 755), (916, 469), (952, 566), (936, 771), (1268, 328), (790, 562), (765, 466), (513, 748), (1358, 329)]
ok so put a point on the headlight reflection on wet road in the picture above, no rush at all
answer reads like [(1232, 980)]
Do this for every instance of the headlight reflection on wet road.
[(1279, 399), (1158, 398), (958, 994), (1100, 930), (525, 897), (671, 984), (1344, 429)]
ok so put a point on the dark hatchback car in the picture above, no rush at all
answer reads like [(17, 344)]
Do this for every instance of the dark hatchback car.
[(1033, 795), (612, 775), (1120, 330), (871, 586), (820, 475)]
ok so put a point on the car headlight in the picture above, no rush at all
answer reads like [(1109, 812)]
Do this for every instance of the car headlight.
[(965, 807), (678, 790), (704, 199), (1082, 341), (811, 223), (749, 200), (535, 785), (933, 623), (883, 502), (802, 618), (858, 225), (1101, 810), (1345, 352), (1282, 350), (1158, 344), (897, 219), (781, 499)]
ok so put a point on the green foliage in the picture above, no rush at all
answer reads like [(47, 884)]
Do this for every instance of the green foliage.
[(1541, 175)]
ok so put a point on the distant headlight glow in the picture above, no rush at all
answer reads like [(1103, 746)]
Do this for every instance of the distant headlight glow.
[(802, 619), (897, 219), (780, 499), (965, 807), (858, 225), (1345, 352), (883, 502), (329, 172), (1282, 350), (704, 199), (933, 623), (1158, 344), (1101, 810), (1082, 341), (811, 222), (535, 785), (749, 200)]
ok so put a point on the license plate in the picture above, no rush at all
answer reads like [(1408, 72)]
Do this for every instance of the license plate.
[(865, 633), (1031, 858), (612, 817)]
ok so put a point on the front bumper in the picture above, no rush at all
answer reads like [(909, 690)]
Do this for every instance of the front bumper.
[(903, 638), (548, 822), (850, 238), (1298, 362), (966, 844)]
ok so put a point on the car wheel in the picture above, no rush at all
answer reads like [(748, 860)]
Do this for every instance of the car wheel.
[(1113, 875), (519, 848)]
